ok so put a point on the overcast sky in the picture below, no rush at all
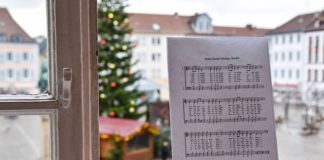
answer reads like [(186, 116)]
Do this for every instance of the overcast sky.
[(31, 14)]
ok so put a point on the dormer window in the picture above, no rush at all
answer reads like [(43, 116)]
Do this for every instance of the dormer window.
[(201, 23), (3, 37), (16, 38)]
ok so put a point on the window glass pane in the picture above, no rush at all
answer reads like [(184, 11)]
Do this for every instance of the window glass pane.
[(23, 47), (24, 137)]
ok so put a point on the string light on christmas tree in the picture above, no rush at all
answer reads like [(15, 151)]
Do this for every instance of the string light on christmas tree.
[(124, 47), (124, 80), (115, 36), (111, 65), (132, 109), (132, 102), (119, 72), (112, 48), (115, 22), (101, 88), (110, 15), (102, 95)]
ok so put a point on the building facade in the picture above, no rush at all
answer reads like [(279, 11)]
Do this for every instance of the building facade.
[(150, 32), (19, 58), (295, 56), (314, 61)]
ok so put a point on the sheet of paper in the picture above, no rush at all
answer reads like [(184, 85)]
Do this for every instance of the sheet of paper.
[(221, 99)]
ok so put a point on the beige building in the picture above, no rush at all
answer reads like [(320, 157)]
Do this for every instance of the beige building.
[(19, 58), (150, 31)]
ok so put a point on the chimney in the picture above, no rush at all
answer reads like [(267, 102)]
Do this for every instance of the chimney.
[(249, 26), (175, 14)]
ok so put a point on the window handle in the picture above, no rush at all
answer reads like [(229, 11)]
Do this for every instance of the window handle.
[(66, 95)]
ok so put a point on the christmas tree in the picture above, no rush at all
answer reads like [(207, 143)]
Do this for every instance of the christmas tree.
[(119, 97)]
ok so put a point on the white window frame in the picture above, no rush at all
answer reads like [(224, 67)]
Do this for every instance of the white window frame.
[(72, 44)]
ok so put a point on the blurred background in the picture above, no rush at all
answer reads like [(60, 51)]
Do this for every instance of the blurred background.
[(133, 78)]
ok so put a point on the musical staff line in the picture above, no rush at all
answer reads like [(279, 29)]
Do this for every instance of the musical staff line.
[(224, 87), (223, 110), (224, 120), (239, 142), (219, 100), (229, 67), (229, 153), (221, 133)]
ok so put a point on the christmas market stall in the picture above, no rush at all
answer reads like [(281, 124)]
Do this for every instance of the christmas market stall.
[(126, 139)]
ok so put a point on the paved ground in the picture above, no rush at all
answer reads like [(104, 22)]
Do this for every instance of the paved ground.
[(291, 144)]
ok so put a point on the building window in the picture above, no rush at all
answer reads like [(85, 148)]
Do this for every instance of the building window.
[(141, 40), (323, 48), (297, 74), (10, 56), (291, 38), (26, 74), (322, 75), (290, 56), (275, 73), (2, 75), (2, 57), (10, 73), (25, 56), (156, 57), (18, 75), (276, 39), (283, 39), (3, 37), (309, 75), (315, 75), (16, 38), (283, 73), (156, 41), (276, 56), (141, 57), (283, 56), (310, 50), (289, 74), (298, 56), (298, 37), (316, 49)]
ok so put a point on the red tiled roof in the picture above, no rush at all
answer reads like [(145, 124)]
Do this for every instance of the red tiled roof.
[(123, 127), (169, 24), (240, 31), (9, 27), (298, 23), (176, 24)]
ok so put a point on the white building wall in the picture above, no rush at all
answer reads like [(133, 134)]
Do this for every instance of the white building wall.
[(151, 54), (24, 70), (314, 67), (286, 57)]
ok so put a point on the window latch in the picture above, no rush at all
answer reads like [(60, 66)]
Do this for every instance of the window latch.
[(66, 95)]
